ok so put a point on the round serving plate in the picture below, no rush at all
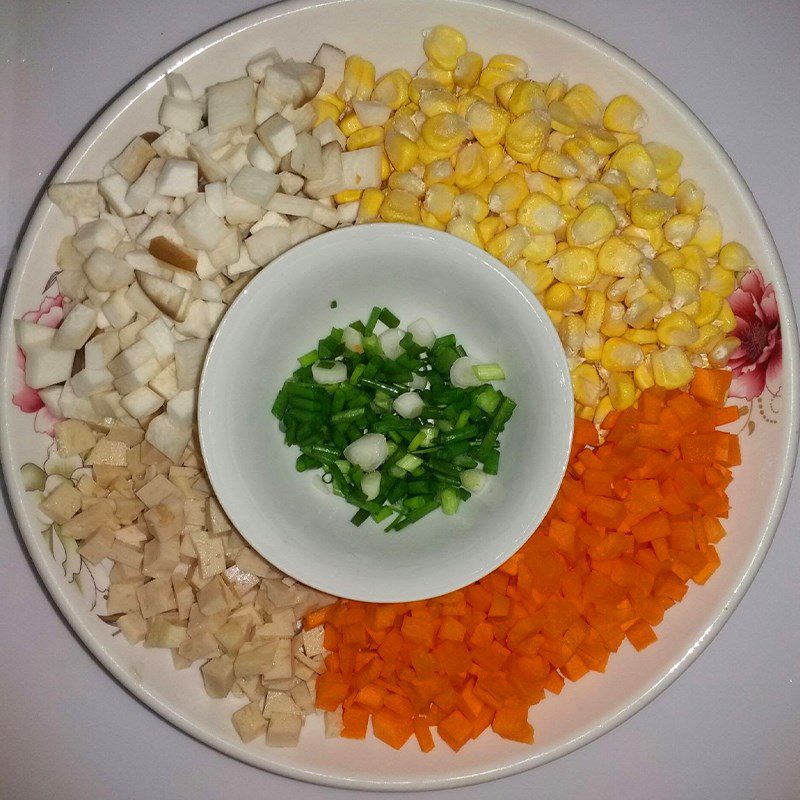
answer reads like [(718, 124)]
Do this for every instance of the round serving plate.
[(389, 33)]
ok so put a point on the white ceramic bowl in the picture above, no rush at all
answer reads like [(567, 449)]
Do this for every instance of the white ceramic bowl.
[(306, 531), (389, 33)]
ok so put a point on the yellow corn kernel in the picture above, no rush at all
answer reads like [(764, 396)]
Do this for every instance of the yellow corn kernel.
[(671, 368), (591, 227), (670, 185), (386, 167), (324, 110), (464, 103), (439, 200), (444, 132), (572, 332), (402, 123), (588, 160), (721, 281), (483, 94), (508, 245), (690, 198), (720, 354), (635, 162), (465, 229), (437, 101), (510, 63), (575, 265), (593, 346), (349, 124), (484, 189), (594, 310), (527, 96), (370, 205), (666, 160), (525, 137), (648, 240), (467, 70), (444, 45), (334, 100), (695, 259), (710, 307), (536, 276), (492, 77), (504, 91), (429, 220), (556, 89), (604, 408), (614, 320), (642, 336), (542, 247), (709, 336), (490, 227), (651, 209), (365, 137), (557, 165), (427, 155), (618, 182), (495, 158), (595, 193), (570, 188), (539, 183), (636, 289), (439, 171), (471, 206), (624, 114), (429, 71), (562, 297), (562, 117), (600, 140), (735, 257), (409, 182), (680, 229), (418, 85), (643, 376), (642, 311), (621, 390), (400, 206), (585, 104), (620, 355), (619, 257), (348, 196), (471, 167), (726, 321), (359, 79), (657, 277), (392, 89), (540, 213), (671, 258), (628, 138), (508, 193), (586, 384), (687, 288), (487, 122)]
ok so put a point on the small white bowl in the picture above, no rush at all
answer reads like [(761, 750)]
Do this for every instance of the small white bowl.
[(302, 528)]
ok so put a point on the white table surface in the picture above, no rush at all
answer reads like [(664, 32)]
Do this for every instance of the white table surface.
[(729, 729)]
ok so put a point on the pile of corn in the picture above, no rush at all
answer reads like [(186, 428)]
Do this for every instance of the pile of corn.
[(622, 252)]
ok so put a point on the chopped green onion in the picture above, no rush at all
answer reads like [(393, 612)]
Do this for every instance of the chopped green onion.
[(372, 321), (409, 462), (308, 359), (488, 372), (450, 501), (388, 319)]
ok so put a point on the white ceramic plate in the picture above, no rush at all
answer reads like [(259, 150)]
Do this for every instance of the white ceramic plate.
[(389, 33)]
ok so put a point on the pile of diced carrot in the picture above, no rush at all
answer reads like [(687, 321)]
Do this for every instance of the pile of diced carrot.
[(635, 519)]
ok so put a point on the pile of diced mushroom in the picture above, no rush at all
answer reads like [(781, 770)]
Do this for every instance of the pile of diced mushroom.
[(179, 223)]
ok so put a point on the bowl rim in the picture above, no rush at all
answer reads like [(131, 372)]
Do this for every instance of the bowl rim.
[(116, 107), (351, 235)]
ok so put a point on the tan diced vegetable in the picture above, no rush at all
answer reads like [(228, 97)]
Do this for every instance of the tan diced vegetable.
[(133, 627), (218, 676), (73, 437), (132, 535), (122, 598), (127, 554), (248, 722), (156, 597), (88, 486), (333, 724), (281, 666), (119, 432), (160, 557), (249, 561), (101, 514), (284, 730), (109, 453), (194, 510), (164, 632), (212, 598), (303, 697), (216, 520), (126, 509), (210, 553), (62, 504), (312, 641), (97, 546), (240, 582), (197, 647), (184, 596), (255, 659), (178, 661), (105, 474), (157, 490), (232, 635), (279, 703), (165, 520)]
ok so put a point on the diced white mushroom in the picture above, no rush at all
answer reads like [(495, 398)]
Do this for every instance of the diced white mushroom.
[(277, 135), (255, 185), (332, 60), (267, 243), (257, 65), (371, 112), (165, 295), (114, 189), (107, 272), (218, 676), (45, 366), (178, 86), (200, 227), (167, 437), (361, 169), (177, 178), (230, 104), (142, 402), (28, 334), (189, 356), (78, 199), (87, 382), (98, 233), (328, 131), (183, 115), (130, 163)]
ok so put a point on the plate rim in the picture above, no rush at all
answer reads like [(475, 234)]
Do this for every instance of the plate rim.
[(117, 106)]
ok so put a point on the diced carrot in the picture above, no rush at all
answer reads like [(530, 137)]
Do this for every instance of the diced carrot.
[(640, 635), (512, 723), (711, 386), (422, 732), (392, 728), (354, 722), (455, 730)]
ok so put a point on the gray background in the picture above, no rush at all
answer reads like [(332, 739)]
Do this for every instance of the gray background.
[(729, 729)]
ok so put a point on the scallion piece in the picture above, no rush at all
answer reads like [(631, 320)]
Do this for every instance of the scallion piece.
[(308, 359), (488, 372)]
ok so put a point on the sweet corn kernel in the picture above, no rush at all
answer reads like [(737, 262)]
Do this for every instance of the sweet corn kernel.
[(527, 96), (643, 376), (637, 289), (444, 132), (540, 183), (483, 94), (619, 257), (585, 104), (604, 408), (510, 63), (572, 331), (709, 232), (443, 77), (586, 384), (687, 288), (672, 258), (504, 91), (575, 265), (542, 247), (595, 193), (426, 154), (614, 320), (334, 100), (487, 122), (726, 321), (498, 161), (471, 206), (324, 110), (636, 163), (600, 140), (571, 187), (409, 182), (642, 336), (400, 206), (444, 45), (365, 137), (666, 160), (619, 184), (695, 259), (620, 355), (349, 124), (735, 257), (670, 185), (439, 171), (648, 240), (624, 114), (465, 229), (392, 89), (709, 336), (557, 165), (651, 209), (710, 307), (690, 198), (490, 227), (540, 213), (621, 390), (642, 311), (720, 354), (429, 220), (439, 200), (370, 205), (657, 277), (592, 226), (593, 346), (525, 137), (471, 167), (467, 70), (628, 138), (508, 245), (508, 193), (484, 189), (437, 101), (348, 196), (594, 310), (562, 118), (588, 160), (721, 281), (418, 85), (359, 79), (671, 368), (680, 229), (561, 297), (492, 77), (536, 276), (556, 89)]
